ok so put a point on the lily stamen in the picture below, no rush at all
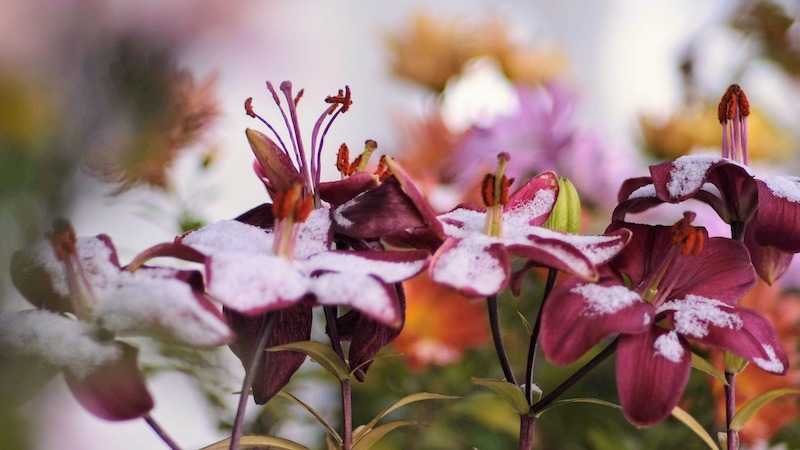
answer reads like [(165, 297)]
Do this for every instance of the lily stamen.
[(732, 113), (494, 190)]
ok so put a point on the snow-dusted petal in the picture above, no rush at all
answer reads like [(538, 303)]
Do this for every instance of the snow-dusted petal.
[(652, 371), (463, 222), (390, 267), (556, 254), (599, 249), (578, 315), (144, 304), (229, 236), (688, 173), (56, 340), (532, 203), (693, 316), (254, 283), (114, 391), (314, 235), (365, 293), (477, 266)]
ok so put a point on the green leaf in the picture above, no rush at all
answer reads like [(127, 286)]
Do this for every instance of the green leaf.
[(525, 323), (508, 392), (321, 353), (749, 409), (314, 413), (408, 399), (693, 425), (702, 364), (266, 442), (567, 401), (373, 435)]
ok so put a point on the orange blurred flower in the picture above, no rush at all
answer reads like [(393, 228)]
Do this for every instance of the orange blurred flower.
[(783, 311), (440, 324)]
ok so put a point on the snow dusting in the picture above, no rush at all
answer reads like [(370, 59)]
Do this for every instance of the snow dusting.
[(467, 222), (314, 234), (602, 300), (773, 364), (694, 314), (646, 191), (669, 346), (688, 173), (352, 263), (361, 292), (469, 264), (523, 212), (230, 236), (56, 340), (784, 187)]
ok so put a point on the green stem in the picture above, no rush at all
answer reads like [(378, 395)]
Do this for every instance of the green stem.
[(494, 323), (249, 378), (551, 281)]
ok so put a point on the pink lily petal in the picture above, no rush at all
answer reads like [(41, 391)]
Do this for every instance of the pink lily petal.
[(365, 293), (165, 306), (276, 165), (769, 262), (113, 391), (276, 369), (390, 267), (652, 371), (779, 213), (476, 266), (582, 314), (532, 203), (635, 195), (341, 191), (557, 254)]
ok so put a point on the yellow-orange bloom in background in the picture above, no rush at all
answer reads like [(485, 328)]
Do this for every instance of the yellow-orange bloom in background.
[(783, 311), (432, 50), (697, 126), (441, 324)]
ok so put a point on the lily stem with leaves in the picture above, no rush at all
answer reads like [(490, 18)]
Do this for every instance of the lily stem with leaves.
[(161, 433), (494, 323), (347, 398), (249, 378), (537, 325)]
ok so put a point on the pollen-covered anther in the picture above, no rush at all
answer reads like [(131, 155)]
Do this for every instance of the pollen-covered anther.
[(487, 190), (63, 239), (342, 98), (689, 238), (733, 103), (343, 160), (248, 107), (383, 172), (292, 204)]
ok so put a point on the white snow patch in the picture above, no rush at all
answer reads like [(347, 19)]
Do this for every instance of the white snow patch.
[(468, 222), (361, 292), (352, 263), (314, 234), (669, 346), (773, 364), (602, 300), (469, 264), (694, 314), (646, 191), (688, 173), (784, 187), (230, 236), (523, 212)]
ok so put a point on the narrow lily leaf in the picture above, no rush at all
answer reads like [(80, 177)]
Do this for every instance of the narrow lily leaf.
[(373, 435), (702, 364), (508, 392), (525, 323), (749, 409), (329, 444), (693, 425), (245, 442), (319, 352), (591, 400), (408, 399), (314, 413)]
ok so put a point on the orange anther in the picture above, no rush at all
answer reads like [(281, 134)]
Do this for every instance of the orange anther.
[(734, 102), (691, 239), (63, 239), (343, 160), (248, 107)]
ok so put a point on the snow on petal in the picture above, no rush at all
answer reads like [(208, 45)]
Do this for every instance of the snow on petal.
[(362, 292), (669, 346), (603, 300), (646, 191), (688, 174), (525, 211), (314, 234), (388, 266), (694, 314), (787, 188), (254, 283), (147, 304), (463, 222), (56, 340), (773, 364), (597, 248), (229, 236), (470, 265)]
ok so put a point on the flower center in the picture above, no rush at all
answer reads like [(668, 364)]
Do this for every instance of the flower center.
[(732, 113), (65, 247), (290, 208), (347, 168), (494, 191), (685, 240)]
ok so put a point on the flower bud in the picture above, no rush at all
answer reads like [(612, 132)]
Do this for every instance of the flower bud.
[(566, 214), (734, 364)]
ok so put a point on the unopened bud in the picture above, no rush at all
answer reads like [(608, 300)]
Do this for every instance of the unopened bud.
[(734, 364), (566, 214)]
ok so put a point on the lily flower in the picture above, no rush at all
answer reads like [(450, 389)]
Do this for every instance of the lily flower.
[(669, 285), (81, 277), (473, 246), (290, 267), (768, 208)]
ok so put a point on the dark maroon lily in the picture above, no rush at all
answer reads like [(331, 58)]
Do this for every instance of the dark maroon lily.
[(83, 277), (668, 286), (768, 207)]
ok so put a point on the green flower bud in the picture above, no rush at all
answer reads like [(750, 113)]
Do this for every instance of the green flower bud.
[(566, 214), (734, 364)]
